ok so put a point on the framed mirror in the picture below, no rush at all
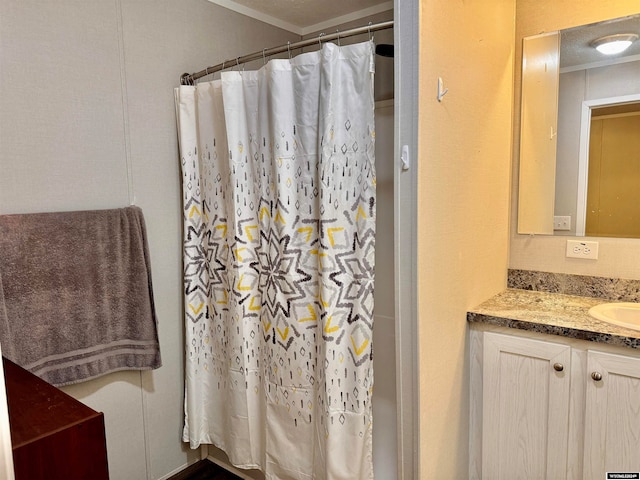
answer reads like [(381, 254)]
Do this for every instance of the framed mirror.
[(580, 133)]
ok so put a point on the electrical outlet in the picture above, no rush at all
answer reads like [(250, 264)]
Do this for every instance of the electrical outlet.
[(578, 249), (562, 223)]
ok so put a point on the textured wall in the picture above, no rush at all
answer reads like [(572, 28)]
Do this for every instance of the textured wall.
[(463, 176), (87, 122), (547, 253)]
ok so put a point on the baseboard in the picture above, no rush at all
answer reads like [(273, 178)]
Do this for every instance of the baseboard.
[(183, 472), (219, 457)]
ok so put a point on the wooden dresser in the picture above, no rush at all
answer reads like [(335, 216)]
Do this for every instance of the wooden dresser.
[(54, 436)]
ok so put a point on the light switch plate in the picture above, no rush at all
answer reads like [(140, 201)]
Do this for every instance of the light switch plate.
[(579, 249)]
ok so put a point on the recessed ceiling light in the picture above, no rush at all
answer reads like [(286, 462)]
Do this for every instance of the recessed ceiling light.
[(612, 44)]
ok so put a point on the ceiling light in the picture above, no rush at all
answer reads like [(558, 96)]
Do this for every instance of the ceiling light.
[(612, 44)]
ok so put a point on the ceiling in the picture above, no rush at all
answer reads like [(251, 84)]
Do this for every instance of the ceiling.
[(574, 43), (306, 16)]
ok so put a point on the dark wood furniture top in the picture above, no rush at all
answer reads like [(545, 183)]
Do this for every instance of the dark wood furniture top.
[(53, 435)]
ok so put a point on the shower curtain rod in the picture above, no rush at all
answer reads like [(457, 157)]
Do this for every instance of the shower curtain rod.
[(190, 78)]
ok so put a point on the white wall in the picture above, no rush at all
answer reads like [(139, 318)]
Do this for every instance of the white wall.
[(617, 257), (570, 94), (87, 122), (464, 168)]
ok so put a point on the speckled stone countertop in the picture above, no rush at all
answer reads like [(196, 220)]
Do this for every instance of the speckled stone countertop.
[(553, 314), (615, 289)]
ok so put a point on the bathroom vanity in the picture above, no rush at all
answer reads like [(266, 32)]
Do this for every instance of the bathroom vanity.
[(555, 393)]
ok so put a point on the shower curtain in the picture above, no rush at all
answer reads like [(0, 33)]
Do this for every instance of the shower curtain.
[(279, 236)]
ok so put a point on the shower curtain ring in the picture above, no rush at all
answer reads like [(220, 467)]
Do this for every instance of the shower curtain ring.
[(320, 35), (369, 30), (238, 63), (338, 38), (264, 59), (289, 49)]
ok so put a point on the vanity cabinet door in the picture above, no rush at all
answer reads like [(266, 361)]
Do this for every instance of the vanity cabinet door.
[(525, 408), (612, 417)]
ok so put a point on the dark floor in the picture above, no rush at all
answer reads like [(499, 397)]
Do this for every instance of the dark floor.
[(204, 470)]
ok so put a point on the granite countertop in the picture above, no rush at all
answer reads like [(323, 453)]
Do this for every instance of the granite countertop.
[(554, 314)]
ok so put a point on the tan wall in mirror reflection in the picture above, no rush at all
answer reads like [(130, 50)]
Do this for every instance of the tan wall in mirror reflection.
[(547, 253), (613, 197)]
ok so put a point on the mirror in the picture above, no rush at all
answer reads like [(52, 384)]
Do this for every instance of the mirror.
[(580, 134)]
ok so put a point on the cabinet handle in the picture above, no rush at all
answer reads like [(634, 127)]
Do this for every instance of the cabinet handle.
[(597, 376), (558, 367)]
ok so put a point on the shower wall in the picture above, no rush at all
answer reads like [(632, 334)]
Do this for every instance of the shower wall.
[(385, 456)]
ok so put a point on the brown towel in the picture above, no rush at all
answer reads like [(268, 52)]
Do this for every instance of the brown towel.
[(78, 298)]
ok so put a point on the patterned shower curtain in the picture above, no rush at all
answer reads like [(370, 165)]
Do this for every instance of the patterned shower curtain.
[(279, 235)]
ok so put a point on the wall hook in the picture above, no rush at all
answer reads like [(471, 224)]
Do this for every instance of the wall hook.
[(441, 90)]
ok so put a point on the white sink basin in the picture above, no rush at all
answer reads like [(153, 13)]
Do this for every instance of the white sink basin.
[(623, 314)]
